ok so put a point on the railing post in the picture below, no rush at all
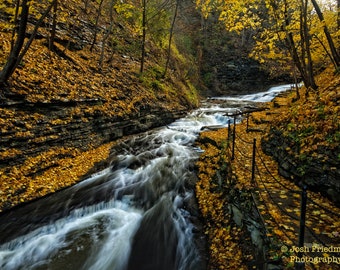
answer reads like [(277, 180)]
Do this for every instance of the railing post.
[(229, 130), (234, 135), (301, 265), (253, 163), (247, 122)]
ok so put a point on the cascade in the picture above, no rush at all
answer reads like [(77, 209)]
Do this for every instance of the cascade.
[(133, 215)]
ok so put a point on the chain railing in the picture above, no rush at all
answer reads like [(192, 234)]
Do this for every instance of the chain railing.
[(260, 177)]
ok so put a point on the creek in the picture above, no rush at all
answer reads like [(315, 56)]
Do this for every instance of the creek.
[(138, 213)]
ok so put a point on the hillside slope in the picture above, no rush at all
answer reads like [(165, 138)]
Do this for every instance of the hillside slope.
[(62, 106), (305, 140), (302, 140)]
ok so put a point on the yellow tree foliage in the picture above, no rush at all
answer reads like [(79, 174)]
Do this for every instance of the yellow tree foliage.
[(271, 22)]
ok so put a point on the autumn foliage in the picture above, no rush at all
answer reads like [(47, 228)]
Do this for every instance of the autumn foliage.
[(277, 198), (223, 236), (74, 82)]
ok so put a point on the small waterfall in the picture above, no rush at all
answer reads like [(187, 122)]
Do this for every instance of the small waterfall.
[(133, 215), (78, 241), (130, 216)]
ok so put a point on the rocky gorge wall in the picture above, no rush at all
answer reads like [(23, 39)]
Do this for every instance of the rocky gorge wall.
[(38, 143), (59, 127)]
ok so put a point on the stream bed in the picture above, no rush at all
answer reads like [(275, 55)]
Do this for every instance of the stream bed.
[(136, 214)]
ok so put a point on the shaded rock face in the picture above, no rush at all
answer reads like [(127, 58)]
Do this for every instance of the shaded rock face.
[(239, 76), (57, 126), (230, 75), (319, 175)]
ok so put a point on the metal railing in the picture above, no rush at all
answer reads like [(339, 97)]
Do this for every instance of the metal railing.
[(260, 183)]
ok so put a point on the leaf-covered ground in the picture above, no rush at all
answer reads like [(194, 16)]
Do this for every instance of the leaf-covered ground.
[(53, 88), (18, 185), (277, 198)]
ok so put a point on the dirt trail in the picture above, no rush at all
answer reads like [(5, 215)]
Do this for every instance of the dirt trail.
[(278, 199)]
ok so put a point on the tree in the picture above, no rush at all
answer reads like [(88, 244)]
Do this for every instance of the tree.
[(13, 58), (170, 37), (338, 6), (156, 22), (306, 56), (292, 30), (279, 27), (286, 30), (96, 25), (54, 26), (86, 5), (143, 35), (107, 34), (18, 50), (334, 54)]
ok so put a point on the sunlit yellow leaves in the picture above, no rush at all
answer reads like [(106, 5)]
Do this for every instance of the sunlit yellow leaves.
[(9, 153), (125, 9), (272, 28), (66, 76), (224, 251), (277, 214), (238, 15), (278, 232), (283, 196), (22, 186)]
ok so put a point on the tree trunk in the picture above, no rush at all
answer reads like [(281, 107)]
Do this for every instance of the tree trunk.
[(338, 2), (86, 4), (106, 36), (96, 25), (309, 65), (305, 68), (15, 21), (16, 55), (143, 36), (335, 55), (292, 47), (170, 38), (54, 26), (12, 61)]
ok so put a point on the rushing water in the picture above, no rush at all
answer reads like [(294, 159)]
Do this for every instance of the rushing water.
[(133, 215)]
